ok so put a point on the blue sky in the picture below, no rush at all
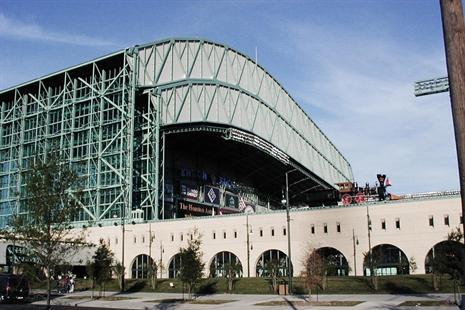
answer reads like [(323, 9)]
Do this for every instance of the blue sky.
[(350, 64)]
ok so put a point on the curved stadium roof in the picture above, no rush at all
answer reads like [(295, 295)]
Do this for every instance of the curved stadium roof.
[(199, 81)]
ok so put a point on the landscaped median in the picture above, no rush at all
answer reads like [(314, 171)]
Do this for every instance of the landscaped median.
[(193, 301), (103, 298), (294, 303), (418, 284), (426, 303)]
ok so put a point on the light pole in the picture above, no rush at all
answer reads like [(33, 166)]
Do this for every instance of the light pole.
[(122, 249), (248, 244), (355, 242), (161, 258), (150, 239), (372, 272), (286, 200)]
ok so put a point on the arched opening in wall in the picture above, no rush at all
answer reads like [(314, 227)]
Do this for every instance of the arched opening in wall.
[(387, 260), (140, 266), (225, 263), (174, 266), (445, 257), (272, 262), (335, 262)]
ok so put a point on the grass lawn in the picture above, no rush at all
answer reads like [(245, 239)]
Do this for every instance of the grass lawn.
[(166, 301), (106, 298), (196, 302), (211, 301), (418, 284), (334, 303), (425, 303)]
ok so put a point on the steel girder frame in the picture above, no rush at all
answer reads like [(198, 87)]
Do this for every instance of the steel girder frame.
[(88, 115), (202, 81), (89, 112)]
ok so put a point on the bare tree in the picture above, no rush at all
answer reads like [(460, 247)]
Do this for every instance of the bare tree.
[(152, 274), (314, 270)]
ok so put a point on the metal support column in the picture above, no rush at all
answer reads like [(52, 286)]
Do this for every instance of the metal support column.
[(157, 154)]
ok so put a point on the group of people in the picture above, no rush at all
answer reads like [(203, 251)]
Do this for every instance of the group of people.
[(65, 283)]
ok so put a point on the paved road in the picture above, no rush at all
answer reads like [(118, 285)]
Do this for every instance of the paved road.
[(168, 301)]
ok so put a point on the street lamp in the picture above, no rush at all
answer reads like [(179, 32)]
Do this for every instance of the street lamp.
[(162, 250), (248, 244), (122, 247), (355, 242), (286, 202), (372, 271)]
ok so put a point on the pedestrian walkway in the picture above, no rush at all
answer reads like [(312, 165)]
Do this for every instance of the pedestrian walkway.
[(171, 301)]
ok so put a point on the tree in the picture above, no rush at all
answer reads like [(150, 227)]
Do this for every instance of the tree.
[(47, 209), (118, 269), (160, 267), (102, 265), (90, 273), (372, 259), (272, 270), (447, 258), (191, 269), (232, 271), (314, 270), (152, 274)]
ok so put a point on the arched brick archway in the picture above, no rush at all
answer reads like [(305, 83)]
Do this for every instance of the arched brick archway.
[(335, 261), (387, 259)]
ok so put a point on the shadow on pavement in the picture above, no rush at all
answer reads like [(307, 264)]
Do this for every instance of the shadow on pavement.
[(168, 304), (289, 302)]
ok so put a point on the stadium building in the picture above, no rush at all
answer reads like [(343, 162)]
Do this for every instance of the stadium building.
[(185, 135)]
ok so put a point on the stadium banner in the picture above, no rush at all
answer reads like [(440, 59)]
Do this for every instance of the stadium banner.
[(189, 191), (211, 195), (231, 201), (195, 209)]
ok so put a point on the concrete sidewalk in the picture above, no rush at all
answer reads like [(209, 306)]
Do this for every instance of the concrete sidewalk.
[(168, 301)]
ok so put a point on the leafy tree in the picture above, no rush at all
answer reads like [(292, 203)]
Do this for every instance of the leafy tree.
[(102, 265), (372, 259), (48, 208), (272, 271), (448, 259), (314, 270), (191, 269), (232, 271), (90, 273)]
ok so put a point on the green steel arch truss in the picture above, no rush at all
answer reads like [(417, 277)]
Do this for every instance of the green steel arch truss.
[(107, 118)]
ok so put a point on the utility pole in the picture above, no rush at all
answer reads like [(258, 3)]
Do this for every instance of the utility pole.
[(453, 26)]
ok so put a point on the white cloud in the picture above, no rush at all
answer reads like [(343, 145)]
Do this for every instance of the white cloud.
[(359, 89), (20, 30)]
